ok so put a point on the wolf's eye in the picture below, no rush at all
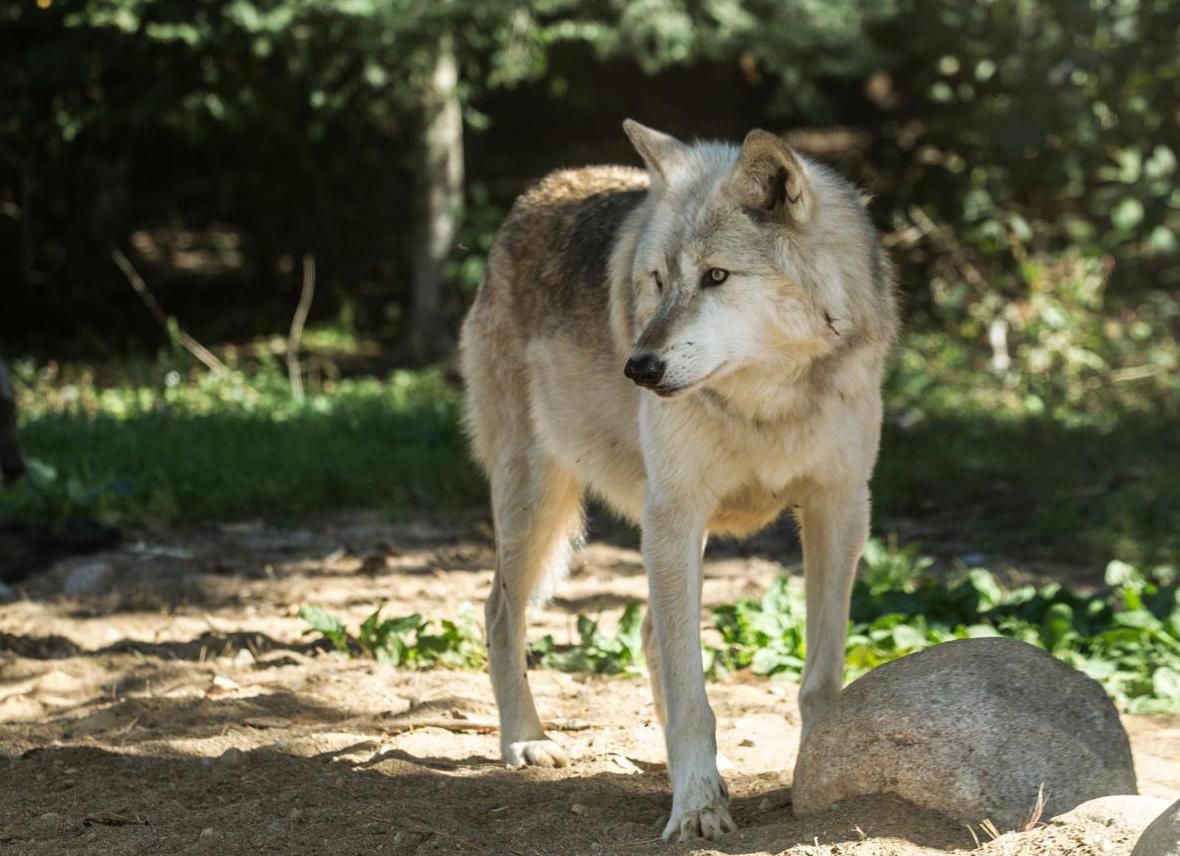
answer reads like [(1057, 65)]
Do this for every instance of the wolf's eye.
[(655, 274), (714, 276)]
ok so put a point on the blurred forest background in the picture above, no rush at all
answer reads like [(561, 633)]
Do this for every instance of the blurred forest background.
[(233, 154)]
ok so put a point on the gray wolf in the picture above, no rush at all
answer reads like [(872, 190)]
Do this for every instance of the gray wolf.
[(700, 344), (12, 465)]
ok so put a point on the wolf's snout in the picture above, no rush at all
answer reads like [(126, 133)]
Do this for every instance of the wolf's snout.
[(645, 369)]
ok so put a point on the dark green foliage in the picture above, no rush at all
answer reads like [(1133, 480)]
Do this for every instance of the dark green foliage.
[(1125, 635), (997, 134)]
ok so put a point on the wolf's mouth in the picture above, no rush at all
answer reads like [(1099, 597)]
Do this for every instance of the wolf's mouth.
[(668, 391), (672, 391)]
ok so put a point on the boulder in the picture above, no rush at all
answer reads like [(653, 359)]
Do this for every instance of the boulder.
[(1162, 836), (972, 729)]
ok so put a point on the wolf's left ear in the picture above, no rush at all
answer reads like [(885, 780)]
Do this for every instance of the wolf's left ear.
[(659, 151), (769, 178)]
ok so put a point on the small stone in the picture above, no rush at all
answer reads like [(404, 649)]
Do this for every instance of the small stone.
[(577, 808), (58, 682), (20, 709), (222, 684), (207, 832), (625, 764), (88, 577), (231, 757)]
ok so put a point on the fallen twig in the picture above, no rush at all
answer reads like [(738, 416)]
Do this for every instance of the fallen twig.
[(114, 820), (481, 726)]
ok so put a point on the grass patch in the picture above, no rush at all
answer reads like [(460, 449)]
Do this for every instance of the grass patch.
[(195, 448)]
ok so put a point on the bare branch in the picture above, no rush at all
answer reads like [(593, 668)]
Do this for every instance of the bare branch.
[(207, 357), (294, 372)]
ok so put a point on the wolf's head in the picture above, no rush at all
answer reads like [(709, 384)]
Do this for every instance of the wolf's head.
[(744, 259)]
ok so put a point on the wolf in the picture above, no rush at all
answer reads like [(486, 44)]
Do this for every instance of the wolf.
[(700, 344)]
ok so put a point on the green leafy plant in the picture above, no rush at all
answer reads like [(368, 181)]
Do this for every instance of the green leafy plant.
[(404, 641), (328, 626), (595, 651), (1126, 636)]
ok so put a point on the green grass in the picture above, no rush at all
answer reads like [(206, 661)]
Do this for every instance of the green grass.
[(195, 449), (1125, 635)]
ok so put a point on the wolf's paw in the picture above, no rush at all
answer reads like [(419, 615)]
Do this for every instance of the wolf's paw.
[(701, 813), (535, 753), (710, 822)]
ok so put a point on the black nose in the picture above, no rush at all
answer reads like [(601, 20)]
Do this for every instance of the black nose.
[(645, 369)]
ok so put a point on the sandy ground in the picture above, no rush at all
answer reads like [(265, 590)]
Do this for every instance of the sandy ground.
[(161, 699)]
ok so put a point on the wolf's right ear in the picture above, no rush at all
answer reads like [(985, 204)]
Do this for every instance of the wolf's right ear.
[(659, 151), (770, 178)]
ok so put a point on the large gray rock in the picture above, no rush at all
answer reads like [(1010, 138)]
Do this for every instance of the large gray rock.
[(972, 729), (1162, 837)]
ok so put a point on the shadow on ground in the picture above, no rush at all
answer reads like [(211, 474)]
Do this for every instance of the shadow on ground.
[(82, 800)]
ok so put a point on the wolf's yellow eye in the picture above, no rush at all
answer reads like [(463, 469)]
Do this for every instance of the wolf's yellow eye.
[(714, 276)]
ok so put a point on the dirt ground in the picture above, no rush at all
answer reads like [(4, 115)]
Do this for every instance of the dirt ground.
[(160, 698)]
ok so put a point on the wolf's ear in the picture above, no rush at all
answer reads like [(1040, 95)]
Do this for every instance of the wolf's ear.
[(769, 177), (659, 151)]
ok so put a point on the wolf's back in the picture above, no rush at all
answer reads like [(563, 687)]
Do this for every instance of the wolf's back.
[(549, 260)]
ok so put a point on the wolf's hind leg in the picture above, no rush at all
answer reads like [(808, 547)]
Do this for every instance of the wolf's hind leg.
[(835, 526), (537, 510)]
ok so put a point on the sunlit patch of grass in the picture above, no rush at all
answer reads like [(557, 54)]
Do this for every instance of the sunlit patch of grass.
[(195, 448)]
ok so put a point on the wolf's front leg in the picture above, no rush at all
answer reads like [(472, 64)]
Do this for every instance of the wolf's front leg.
[(835, 526), (672, 554)]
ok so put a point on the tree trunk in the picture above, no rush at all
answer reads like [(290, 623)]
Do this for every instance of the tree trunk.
[(439, 191)]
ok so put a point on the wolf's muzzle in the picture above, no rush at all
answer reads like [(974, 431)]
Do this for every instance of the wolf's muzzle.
[(645, 369)]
